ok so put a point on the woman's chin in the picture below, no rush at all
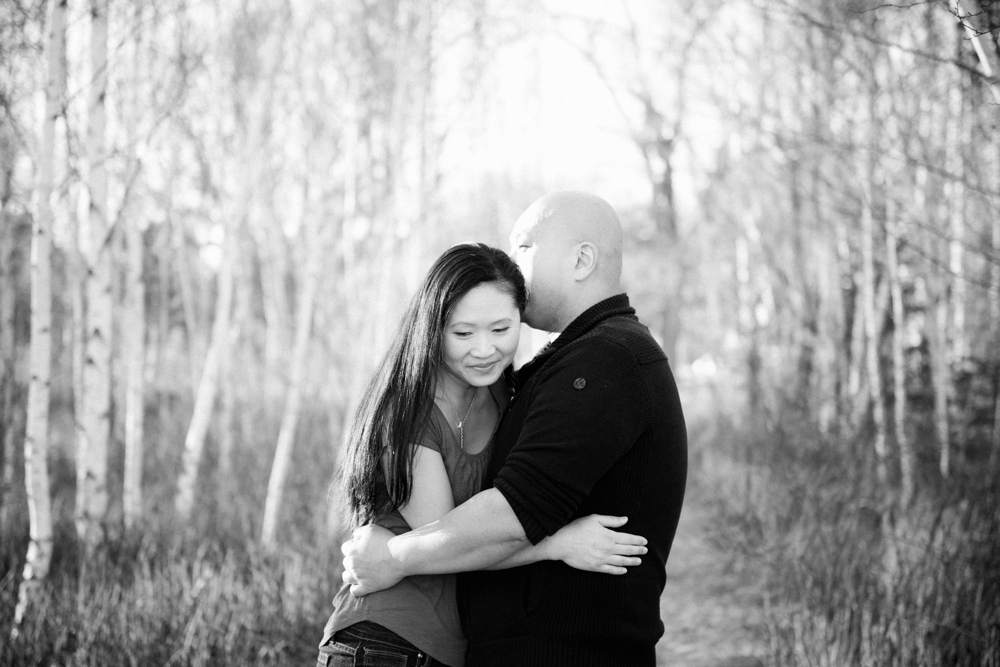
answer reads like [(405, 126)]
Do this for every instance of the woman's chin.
[(486, 378)]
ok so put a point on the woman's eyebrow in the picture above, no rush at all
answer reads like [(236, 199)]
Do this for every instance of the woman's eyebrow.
[(502, 320)]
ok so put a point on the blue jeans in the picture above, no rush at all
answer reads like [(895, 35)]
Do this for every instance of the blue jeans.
[(368, 644)]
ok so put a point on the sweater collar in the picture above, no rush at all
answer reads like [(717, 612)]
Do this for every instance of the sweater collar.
[(590, 318), (612, 306)]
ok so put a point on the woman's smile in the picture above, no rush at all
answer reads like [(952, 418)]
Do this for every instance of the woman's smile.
[(483, 367)]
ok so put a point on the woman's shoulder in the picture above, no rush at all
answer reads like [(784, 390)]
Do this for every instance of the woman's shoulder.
[(431, 433)]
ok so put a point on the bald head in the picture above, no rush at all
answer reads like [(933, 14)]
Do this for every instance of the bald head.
[(571, 218), (569, 246)]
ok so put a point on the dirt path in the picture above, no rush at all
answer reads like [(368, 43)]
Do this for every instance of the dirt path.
[(712, 605)]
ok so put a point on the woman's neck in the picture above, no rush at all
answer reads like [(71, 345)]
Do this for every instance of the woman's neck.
[(454, 391)]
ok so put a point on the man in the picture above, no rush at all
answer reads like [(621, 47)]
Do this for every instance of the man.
[(594, 427)]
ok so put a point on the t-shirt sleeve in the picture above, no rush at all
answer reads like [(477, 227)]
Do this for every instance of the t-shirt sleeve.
[(587, 411), (431, 436)]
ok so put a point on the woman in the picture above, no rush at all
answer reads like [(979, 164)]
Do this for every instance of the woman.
[(419, 445)]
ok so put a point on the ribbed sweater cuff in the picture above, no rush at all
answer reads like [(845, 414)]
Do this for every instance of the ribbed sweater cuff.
[(533, 529)]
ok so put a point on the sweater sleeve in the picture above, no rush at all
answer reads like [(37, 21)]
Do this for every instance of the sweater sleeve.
[(586, 412)]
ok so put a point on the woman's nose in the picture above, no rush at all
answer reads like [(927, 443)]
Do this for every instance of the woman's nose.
[(483, 346)]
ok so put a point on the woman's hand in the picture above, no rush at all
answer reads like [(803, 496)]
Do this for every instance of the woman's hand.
[(368, 564), (590, 544)]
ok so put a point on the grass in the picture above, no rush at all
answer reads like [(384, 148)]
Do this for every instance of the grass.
[(854, 580), (205, 593), (147, 599)]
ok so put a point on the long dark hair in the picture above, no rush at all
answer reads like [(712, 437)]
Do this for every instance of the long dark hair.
[(397, 401)]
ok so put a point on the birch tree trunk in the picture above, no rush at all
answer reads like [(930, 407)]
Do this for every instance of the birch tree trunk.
[(748, 324), (227, 412), (848, 375), (872, 334), (92, 455), (134, 344), (134, 298), (971, 14), (937, 323), (185, 283), (78, 326), (955, 196), (271, 250), (8, 381), (194, 442), (947, 337), (290, 418), (995, 327), (907, 458), (36, 441)]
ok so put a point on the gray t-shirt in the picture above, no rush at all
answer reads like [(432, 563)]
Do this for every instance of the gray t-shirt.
[(422, 609)]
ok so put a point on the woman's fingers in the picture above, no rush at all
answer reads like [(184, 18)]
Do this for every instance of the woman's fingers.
[(611, 521), (620, 561), (629, 538), (629, 550)]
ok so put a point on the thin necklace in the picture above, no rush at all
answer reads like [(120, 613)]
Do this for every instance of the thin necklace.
[(461, 424)]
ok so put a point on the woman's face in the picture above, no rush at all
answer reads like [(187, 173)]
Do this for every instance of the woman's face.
[(481, 335)]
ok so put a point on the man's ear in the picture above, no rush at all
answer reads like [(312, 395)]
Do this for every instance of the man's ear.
[(586, 260)]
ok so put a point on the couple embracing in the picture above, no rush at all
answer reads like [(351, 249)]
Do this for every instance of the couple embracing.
[(518, 481)]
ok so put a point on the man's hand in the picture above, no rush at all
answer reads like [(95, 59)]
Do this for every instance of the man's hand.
[(368, 564)]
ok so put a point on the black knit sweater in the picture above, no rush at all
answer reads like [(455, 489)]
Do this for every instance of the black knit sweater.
[(595, 427)]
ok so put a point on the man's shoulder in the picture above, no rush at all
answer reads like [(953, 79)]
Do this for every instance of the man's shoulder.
[(612, 348), (627, 335)]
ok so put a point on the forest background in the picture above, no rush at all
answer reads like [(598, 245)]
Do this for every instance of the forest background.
[(212, 214)]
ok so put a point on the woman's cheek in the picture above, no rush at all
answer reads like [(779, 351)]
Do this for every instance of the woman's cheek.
[(510, 344)]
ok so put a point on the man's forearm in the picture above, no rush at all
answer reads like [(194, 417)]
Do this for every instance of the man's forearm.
[(477, 534)]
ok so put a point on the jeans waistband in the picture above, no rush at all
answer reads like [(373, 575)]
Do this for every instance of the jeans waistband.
[(376, 633)]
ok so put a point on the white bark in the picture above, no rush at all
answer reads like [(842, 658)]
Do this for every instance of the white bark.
[(134, 318), (8, 410), (227, 412), (290, 418), (7, 292), (134, 344), (955, 196), (194, 442), (872, 331), (36, 442), (95, 431), (937, 323), (79, 325), (995, 325), (271, 250), (907, 458), (178, 253), (970, 13), (192, 322)]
